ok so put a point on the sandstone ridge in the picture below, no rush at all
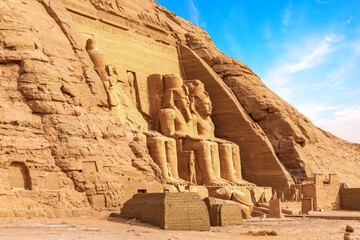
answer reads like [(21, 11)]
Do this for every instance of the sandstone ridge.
[(81, 149)]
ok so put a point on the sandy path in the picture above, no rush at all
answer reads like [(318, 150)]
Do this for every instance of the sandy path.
[(113, 229)]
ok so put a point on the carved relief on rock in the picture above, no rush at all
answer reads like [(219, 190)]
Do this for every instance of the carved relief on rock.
[(122, 100), (106, 71), (113, 6)]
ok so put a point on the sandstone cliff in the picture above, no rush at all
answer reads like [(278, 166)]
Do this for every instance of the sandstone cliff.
[(54, 119), (54, 114), (300, 146)]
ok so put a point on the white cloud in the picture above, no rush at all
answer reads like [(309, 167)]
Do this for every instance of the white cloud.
[(194, 17), (315, 111), (348, 21), (279, 78), (233, 44), (344, 124), (286, 17), (315, 57), (357, 49), (285, 79)]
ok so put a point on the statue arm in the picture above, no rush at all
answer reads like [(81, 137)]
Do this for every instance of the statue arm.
[(167, 122)]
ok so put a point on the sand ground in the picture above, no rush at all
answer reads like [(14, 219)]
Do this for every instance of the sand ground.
[(115, 228)]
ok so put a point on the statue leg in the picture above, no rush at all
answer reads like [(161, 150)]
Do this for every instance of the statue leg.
[(205, 162), (227, 166), (157, 150), (236, 160), (172, 160), (230, 163), (215, 159), (170, 146)]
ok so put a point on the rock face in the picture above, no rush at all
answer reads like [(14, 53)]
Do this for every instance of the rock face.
[(77, 142)]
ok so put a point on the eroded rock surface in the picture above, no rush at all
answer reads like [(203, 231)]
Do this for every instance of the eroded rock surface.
[(79, 152)]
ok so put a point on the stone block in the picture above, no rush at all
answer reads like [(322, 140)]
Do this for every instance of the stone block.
[(170, 211), (307, 205), (275, 208), (230, 214)]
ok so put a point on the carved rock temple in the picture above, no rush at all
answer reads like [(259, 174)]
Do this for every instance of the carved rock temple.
[(101, 100)]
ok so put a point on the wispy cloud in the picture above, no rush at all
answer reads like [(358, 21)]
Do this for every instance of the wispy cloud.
[(348, 21), (344, 124), (279, 77), (312, 92), (194, 12), (233, 44), (341, 121), (315, 111), (357, 48), (286, 17), (312, 59)]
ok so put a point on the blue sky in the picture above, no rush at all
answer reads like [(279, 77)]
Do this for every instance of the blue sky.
[(306, 51)]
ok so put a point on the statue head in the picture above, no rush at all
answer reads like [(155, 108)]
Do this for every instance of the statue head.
[(96, 56), (176, 94), (90, 44), (199, 98)]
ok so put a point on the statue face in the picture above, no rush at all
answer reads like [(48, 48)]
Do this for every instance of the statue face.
[(203, 104), (181, 99)]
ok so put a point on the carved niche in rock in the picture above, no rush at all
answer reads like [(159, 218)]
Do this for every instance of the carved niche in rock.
[(19, 176)]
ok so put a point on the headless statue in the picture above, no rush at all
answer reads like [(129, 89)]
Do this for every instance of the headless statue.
[(231, 193)]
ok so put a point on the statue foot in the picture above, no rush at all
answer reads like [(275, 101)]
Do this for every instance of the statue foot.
[(241, 182), (183, 182), (176, 182), (218, 183)]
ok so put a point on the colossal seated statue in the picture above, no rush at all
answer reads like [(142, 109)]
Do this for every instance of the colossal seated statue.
[(176, 121), (201, 109)]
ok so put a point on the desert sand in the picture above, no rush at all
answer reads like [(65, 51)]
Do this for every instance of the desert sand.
[(117, 228)]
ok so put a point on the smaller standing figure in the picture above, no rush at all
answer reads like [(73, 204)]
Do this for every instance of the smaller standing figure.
[(192, 171), (107, 72), (348, 231)]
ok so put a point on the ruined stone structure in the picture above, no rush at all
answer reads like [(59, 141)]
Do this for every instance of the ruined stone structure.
[(170, 211), (225, 215), (103, 99), (224, 212), (324, 194), (350, 198)]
